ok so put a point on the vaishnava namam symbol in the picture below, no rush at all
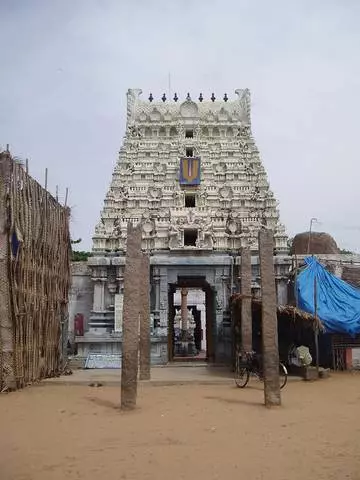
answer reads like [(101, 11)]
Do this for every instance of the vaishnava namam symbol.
[(190, 171)]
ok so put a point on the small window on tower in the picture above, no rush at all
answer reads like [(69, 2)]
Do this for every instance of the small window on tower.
[(190, 200), (189, 152), (189, 133), (190, 238)]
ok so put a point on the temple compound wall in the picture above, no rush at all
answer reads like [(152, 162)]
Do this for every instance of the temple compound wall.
[(189, 171)]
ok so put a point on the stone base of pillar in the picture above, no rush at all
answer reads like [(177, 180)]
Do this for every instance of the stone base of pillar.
[(108, 344), (101, 322)]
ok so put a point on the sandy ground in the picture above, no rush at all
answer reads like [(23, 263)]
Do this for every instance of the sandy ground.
[(182, 432)]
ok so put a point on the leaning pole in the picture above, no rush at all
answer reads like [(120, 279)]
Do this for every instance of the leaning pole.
[(269, 320), (130, 344)]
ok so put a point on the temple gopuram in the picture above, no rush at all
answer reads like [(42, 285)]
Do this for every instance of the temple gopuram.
[(190, 172)]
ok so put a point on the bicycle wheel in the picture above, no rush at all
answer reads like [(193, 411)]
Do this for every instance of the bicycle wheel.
[(242, 374), (283, 375)]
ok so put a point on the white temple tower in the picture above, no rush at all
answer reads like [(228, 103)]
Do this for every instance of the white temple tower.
[(190, 172)]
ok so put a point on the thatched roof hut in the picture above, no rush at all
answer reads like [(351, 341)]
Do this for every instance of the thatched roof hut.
[(294, 326), (284, 312)]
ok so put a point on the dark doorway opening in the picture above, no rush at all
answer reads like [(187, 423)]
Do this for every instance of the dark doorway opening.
[(195, 341), (190, 238), (190, 200)]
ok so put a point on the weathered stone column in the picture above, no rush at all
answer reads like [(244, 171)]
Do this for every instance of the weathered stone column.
[(99, 294), (156, 279), (130, 345), (184, 310), (145, 344), (269, 319), (246, 313), (119, 303), (201, 307)]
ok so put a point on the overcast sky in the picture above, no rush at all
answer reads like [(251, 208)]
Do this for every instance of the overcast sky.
[(66, 66)]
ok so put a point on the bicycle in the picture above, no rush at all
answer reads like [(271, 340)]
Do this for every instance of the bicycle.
[(252, 365)]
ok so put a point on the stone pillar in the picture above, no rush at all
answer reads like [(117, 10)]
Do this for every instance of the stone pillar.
[(156, 278), (99, 295), (145, 345), (118, 312), (130, 346), (218, 327), (269, 319), (246, 313), (163, 301), (282, 291), (119, 303), (201, 307), (98, 323), (184, 310)]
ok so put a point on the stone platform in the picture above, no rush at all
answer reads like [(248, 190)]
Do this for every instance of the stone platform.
[(160, 376)]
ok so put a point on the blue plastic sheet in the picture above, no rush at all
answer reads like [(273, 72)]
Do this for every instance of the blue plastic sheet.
[(338, 303)]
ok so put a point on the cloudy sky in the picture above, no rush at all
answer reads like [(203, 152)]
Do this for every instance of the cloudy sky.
[(66, 66)]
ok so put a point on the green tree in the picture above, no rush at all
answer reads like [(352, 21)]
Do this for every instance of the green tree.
[(79, 255)]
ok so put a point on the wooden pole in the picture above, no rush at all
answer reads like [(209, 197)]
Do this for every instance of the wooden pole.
[(145, 344), (269, 320), (46, 178), (316, 327), (130, 345), (66, 196), (246, 313)]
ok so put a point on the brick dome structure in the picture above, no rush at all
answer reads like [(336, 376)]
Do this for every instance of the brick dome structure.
[(320, 243)]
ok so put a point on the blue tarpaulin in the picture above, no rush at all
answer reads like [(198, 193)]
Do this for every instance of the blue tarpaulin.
[(338, 303)]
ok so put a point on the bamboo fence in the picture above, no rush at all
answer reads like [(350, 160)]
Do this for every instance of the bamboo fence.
[(34, 278)]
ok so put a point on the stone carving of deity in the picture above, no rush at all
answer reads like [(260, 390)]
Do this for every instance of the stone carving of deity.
[(148, 227), (202, 197), (177, 319), (206, 234), (155, 193), (191, 216), (178, 196), (117, 228), (249, 170), (180, 130), (255, 196), (159, 168), (127, 169), (123, 193), (134, 131), (231, 224), (226, 192), (174, 236)]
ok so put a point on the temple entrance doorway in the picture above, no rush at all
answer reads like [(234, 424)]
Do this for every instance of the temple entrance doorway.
[(191, 319)]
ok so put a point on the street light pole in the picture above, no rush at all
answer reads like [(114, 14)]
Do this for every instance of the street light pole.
[(312, 220)]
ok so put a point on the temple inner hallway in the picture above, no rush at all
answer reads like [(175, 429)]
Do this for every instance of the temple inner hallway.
[(196, 309)]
